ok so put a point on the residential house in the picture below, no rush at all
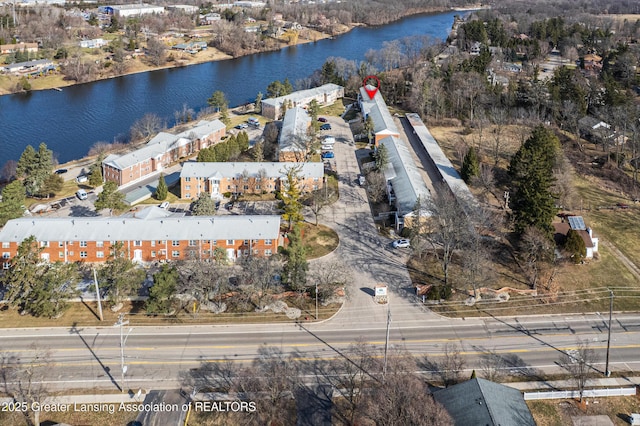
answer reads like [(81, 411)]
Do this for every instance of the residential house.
[(216, 179), (209, 18), (150, 235), (293, 141), (29, 67), (18, 47), (326, 94), (474, 50), (126, 10), (577, 224), (376, 108), (95, 43), (481, 402), (159, 152), (597, 131), (592, 62)]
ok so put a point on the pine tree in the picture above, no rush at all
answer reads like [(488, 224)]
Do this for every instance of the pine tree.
[(161, 293), (95, 174), (369, 128), (294, 273), (204, 206), (470, 166), (110, 198), (531, 171), (224, 115), (290, 195), (161, 191), (218, 100), (381, 157), (35, 167), (575, 246), (12, 204)]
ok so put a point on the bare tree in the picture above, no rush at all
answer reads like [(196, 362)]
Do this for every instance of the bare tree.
[(376, 186), (329, 277), (492, 366), (203, 281), (450, 368), (156, 51), (146, 126), (318, 200), (579, 363), (536, 250), (257, 278), (449, 229)]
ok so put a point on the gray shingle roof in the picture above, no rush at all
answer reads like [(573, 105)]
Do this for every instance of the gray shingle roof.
[(293, 136), (377, 109), (302, 95), (229, 170), (162, 143), (479, 402), (142, 227)]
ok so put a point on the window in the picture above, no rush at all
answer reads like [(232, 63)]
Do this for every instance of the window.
[(267, 242), (70, 253), (69, 243), (315, 187), (187, 179), (83, 243), (5, 265), (153, 243), (83, 254), (192, 254), (6, 245), (175, 253), (245, 242), (153, 253), (316, 179), (137, 243), (192, 243), (256, 252), (228, 186), (44, 243), (61, 254), (230, 242), (100, 254), (267, 252), (187, 187), (188, 196), (215, 242), (258, 187), (60, 243), (246, 187), (175, 243), (245, 252), (6, 255)]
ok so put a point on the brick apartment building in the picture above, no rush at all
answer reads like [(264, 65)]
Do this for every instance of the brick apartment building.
[(150, 235), (326, 94), (216, 179), (161, 151)]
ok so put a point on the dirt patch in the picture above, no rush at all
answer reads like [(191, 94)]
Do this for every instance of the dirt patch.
[(561, 412)]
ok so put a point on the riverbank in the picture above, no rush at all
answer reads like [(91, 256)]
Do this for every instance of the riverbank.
[(178, 59)]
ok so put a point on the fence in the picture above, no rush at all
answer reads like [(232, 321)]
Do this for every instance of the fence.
[(588, 393)]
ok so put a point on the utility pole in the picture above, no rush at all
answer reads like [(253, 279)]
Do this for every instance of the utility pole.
[(386, 343), (95, 280), (607, 372), (316, 301), (123, 340)]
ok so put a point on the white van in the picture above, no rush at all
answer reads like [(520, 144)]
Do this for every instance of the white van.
[(253, 122), (82, 194)]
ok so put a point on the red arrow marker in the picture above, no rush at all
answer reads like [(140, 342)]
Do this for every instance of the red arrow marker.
[(369, 87)]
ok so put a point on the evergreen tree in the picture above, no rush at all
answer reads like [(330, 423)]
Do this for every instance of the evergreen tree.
[(258, 107), (161, 191), (275, 89), (369, 128), (470, 166), (12, 204), (52, 184), (110, 198), (119, 275), (224, 115), (218, 100), (294, 273), (287, 88), (95, 174), (290, 195), (258, 152), (35, 167), (243, 141), (381, 157), (531, 171), (575, 246), (161, 293), (204, 206)]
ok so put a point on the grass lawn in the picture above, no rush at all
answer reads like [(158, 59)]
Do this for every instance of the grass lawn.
[(561, 411), (321, 240)]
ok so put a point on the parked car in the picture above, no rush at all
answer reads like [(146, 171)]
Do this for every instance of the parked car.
[(61, 171), (82, 194), (325, 126), (322, 119), (242, 126), (327, 147), (327, 155), (253, 122), (329, 140), (403, 243), (165, 205)]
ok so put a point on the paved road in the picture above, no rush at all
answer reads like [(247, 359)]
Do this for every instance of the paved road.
[(157, 356)]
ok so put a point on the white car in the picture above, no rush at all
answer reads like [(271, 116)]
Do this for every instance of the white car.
[(327, 147), (82, 194), (329, 140), (403, 243), (165, 205)]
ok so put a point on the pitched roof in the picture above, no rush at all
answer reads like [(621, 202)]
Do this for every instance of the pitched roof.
[(142, 227), (163, 142), (479, 402), (377, 109), (303, 95), (562, 229), (229, 170), (293, 136)]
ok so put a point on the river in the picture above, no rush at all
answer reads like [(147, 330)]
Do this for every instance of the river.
[(71, 121)]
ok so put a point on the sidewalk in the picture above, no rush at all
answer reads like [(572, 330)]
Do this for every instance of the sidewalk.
[(605, 382)]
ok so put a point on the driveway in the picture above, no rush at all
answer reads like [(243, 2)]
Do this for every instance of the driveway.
[(367, 254)]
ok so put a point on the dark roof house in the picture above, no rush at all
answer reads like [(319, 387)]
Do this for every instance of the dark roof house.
[(479, 402)]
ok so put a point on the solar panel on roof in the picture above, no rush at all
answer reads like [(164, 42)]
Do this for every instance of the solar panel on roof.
[(577, 223)]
